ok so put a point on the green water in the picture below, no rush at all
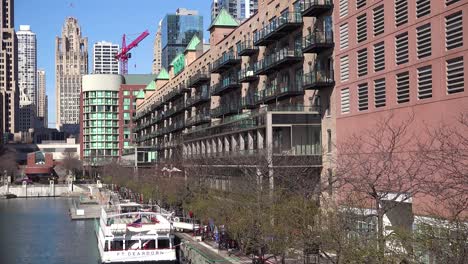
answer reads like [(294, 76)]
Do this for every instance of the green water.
[(39, 231)]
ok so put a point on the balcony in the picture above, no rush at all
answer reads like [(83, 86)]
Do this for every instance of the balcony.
[(199, 78), (277, 28), (247, 75), (177, 92), (199, 118), (281, 59), (224, 110), (277, 92), (317, 42), (176, 126), (226, 61), (316, 7), (225, 85), (175, 109), (198, 99), (248, 102), (317, 79), (246, 48)]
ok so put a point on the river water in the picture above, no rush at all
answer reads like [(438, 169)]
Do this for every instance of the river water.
[(39, 231)]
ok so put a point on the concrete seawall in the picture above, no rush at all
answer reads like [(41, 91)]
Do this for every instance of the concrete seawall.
[(36, 190)]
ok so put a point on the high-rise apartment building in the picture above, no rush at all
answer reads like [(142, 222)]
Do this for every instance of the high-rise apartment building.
[(157, 51), (42, 97), (9, 95), (71, 63), (238, 9), (108, 105), (104, 58), (176, 32), (298, 79), (27, 78)]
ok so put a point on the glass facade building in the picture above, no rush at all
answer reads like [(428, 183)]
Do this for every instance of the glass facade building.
[(100, 115), (176, 32)]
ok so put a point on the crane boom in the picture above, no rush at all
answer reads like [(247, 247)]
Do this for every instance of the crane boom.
[(124, 54)]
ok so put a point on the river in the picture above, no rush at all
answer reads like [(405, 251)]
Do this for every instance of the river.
[(39, 231)]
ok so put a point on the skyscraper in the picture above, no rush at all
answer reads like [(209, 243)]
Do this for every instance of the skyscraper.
[(176, 32), (42, 97), (103, 58), (71, 62), (9, 97), (238, 9), (157, 51), (27, 70)]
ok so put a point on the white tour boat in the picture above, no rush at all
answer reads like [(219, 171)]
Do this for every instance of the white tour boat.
[(130, 235)]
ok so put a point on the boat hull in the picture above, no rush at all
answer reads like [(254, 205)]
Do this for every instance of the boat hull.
[(139, 256)]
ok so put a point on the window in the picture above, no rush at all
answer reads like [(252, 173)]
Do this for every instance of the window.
[(449, 2), (363, 97), (401, 12), (425, 82), (345, 101), (454, 31), (362, 28), (329, 141), (344, 68), (402, 48), (126, 93), (362, 62), (344, 36), (379, 56), (379, 18), (455, 75), (379, 93), (403, 95), (126, 116), (423, 7), (423, 34), (360, 3), (343, 8)]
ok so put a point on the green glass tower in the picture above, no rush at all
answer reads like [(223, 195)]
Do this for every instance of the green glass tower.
[(100, 117)]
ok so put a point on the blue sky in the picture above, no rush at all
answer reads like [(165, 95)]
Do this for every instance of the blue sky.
[(99, 20)]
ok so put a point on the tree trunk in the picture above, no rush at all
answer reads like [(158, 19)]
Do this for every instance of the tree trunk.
[(380, 232)]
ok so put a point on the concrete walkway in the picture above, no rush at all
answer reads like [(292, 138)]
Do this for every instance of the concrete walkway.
[(197, 252)]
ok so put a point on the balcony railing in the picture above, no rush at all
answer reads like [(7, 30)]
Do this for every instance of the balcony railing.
[(247, 48), (203, 117), (279, 91), (317, 79), (227, 109), (248, 75), (198, 99), (226, 61), (175, 109), (225, 85), (176, 92), (248, 102), (176, 126), (316, 7), (317, 41), (278, 60), (199, 78), (277, 28)]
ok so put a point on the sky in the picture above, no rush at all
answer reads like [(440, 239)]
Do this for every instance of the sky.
[(99, 20)]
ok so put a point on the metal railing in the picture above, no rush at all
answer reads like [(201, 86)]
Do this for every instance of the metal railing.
[(318, 78), (322, 38)]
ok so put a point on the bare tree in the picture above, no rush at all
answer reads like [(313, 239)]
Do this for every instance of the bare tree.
[(71, 163), (382, 169)]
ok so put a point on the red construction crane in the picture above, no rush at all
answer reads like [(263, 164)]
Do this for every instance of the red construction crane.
[(124, 54)]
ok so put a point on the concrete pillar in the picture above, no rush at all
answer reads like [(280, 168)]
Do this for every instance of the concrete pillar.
[(203, 147), (208, 147), (241, 142), (220, 145), (250, 139), (260, 138), (234, 146), (227, 144)]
